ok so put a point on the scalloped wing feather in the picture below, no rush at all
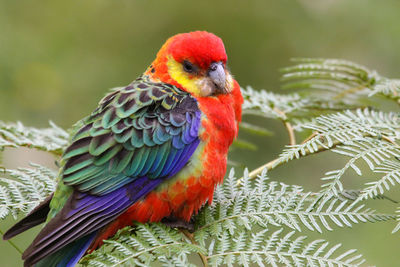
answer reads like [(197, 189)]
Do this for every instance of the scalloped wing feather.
[(137, 131)]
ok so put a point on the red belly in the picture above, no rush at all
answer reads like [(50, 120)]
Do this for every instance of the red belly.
[(182, 196), (181, 199)]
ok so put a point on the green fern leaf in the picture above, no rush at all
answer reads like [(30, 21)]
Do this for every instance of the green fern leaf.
[(52, 139), (24, 189)]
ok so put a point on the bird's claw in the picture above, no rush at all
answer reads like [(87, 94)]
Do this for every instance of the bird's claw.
[(174, 222)]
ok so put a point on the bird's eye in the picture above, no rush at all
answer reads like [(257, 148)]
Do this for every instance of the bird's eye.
[(188, 67)]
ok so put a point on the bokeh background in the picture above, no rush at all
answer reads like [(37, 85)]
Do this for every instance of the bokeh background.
[(58, 58)]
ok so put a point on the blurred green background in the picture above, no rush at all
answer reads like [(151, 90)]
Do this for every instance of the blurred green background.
[(58, 58)]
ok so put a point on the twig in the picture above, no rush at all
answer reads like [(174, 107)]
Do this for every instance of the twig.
[(191, 238), (288, 126), (292, 137), (257, 171), (310, 137), (351, 90), (387, 139), (273, 163), (292, 142), (277, 162)]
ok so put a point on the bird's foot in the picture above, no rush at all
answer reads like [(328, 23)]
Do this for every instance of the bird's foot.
[(174, 222)]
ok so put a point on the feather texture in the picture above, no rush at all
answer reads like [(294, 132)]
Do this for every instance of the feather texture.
[(132, 134)]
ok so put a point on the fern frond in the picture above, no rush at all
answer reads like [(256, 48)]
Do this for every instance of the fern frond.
[(278, 249), (52, 139), (397, 228), (387, 87), (261, 248), (361, 120), (143, 245), (24, 189), (340, 80), (266, 103), (339, 128), (391, 177), (357, 194), (281, 106), (371, 151), (266, 203)]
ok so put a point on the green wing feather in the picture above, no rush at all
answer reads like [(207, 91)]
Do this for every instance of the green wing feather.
[(133, 133)]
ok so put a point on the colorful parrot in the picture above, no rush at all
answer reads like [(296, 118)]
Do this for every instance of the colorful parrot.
[(154, 149)]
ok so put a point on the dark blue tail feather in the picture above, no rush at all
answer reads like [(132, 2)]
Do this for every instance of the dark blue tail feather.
[(69, 255)]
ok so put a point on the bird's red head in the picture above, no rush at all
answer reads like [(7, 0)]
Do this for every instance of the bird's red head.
[(195, 62), (200, 47)]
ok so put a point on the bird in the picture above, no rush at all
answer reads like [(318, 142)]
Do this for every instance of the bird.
[(151, 151)]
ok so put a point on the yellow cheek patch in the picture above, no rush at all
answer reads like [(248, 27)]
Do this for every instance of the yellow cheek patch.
[(191, 84)]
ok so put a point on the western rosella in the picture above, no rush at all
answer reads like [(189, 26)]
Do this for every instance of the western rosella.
[(153, 149)]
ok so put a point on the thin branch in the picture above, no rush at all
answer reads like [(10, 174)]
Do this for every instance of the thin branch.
[(314, 134), (292, 142), (288, 126), (193, 241), (387, 139), (275, 163), (351, 91), (268, 166), (292, 136)]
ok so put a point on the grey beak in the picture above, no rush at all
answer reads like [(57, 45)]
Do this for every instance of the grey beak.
[(216, 72)]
